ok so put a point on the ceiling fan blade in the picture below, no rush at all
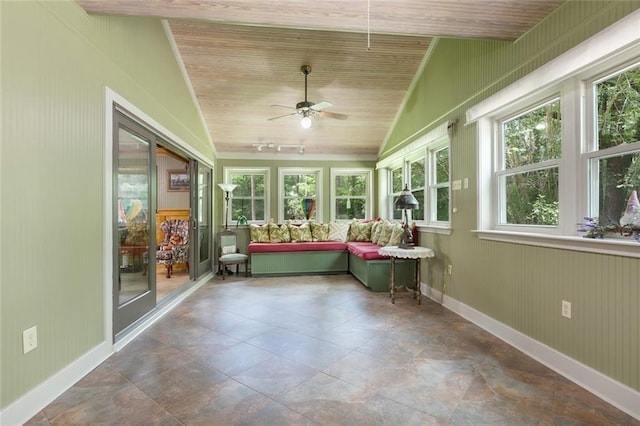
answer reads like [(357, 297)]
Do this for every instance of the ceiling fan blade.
[(282, 106), (280, 116), (321, 105), (328, 114)]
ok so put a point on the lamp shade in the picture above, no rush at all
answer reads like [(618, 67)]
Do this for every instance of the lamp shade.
[(406, 200), (227, 187)]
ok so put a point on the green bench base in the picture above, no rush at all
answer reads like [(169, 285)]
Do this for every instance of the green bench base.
[(374, 274), (299, 263)]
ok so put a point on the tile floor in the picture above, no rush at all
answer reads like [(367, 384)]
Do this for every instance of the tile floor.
[(320, 350)]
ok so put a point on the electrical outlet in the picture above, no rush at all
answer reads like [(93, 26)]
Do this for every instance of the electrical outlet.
[(30, 339), (566, 309), (449, 269)]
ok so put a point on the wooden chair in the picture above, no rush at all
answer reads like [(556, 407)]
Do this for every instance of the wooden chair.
[(229, 253)]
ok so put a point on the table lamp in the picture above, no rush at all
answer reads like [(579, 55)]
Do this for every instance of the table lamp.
[(406, 201)]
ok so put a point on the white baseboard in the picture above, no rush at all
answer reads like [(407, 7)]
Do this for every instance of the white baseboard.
[(30, 404), (606, 388)]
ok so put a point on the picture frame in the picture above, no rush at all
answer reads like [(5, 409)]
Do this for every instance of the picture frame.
[(178, 180)]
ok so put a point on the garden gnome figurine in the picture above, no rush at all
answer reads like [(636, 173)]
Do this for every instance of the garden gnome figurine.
[(631, 215)]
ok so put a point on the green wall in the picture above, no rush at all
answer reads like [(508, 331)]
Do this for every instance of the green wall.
[(518, 285), (56, 61)]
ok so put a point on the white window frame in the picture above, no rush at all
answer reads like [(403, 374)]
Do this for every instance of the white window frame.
[(392, 195), (285, 171), (367, 173), (418, 156), (568, 75), (264, 171), (500, 172), (433, 185), (423, 147)]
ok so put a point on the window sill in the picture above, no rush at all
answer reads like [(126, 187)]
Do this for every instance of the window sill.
[(431, 229), (611, 246)]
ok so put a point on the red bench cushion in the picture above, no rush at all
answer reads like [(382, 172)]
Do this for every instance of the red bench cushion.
[(304, 246), (364, 250)]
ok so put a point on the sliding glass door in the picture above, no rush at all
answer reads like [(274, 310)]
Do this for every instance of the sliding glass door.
[(202, 176), (134, 287)]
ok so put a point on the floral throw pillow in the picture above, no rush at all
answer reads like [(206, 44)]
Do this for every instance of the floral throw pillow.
[(319, 231), (385, 233), (300, 233), (359, 231), (376, 228), (279, 233), (396, 234), (338, 231), (259, 233)]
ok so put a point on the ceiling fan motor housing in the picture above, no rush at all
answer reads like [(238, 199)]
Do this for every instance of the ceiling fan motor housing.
[(304, 105)]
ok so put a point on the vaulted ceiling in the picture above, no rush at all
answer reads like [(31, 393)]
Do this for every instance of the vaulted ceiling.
[(243, 59)]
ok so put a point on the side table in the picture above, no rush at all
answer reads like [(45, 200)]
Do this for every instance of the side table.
[(417, 253)]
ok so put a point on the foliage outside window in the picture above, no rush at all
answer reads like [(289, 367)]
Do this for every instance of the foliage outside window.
[(439, 185), (397, 180), (351, 194), (295, 186), (528, 171), (417, 184), (423, 166), (614, 153), (248, 201)]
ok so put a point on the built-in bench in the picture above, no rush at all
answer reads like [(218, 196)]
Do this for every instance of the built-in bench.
[(361, 259), (321, 257)]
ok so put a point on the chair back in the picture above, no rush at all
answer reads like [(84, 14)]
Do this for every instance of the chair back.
[(173, 227), (227, 242)]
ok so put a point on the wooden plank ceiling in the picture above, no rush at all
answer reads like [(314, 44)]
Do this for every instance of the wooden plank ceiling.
[(244, 57)]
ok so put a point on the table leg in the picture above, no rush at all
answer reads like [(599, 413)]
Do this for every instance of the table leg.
[(416, 289), (392, 286)]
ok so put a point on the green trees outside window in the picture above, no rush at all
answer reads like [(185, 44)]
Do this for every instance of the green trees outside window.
[(351, 196), (618, 129), (248, 199), (531, 148), (296, 188)]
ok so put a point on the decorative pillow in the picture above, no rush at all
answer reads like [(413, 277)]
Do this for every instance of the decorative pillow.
[(259, 233), (385, 233), (228, 249), (396, 234), (279, 233), (319, 231), (338, 231), (300, 233), (359, 231), (376, 227)]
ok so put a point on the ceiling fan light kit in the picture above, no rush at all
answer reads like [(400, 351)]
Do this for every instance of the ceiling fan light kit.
[(308, 109)]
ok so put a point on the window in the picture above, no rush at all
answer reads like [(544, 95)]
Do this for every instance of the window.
[(249, 199), (613, 154), (424, 166), (397, 181), (416, 184), (351, 194), (527, 172), (300, 194), (563, 143), (439, 184)]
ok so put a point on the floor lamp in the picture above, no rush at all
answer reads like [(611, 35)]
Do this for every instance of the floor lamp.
[(406, 201), (227, 188)]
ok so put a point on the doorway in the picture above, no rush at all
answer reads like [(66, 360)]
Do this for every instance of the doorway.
[(157, 187)]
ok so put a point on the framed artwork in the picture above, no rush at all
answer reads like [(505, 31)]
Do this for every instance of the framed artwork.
[(178, 180)]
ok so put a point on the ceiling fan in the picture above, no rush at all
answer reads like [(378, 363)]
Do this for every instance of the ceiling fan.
[(308, 109)]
